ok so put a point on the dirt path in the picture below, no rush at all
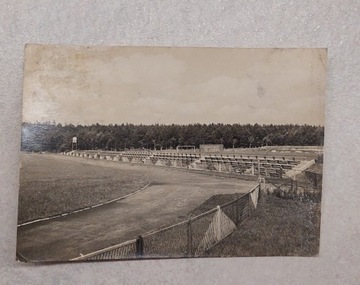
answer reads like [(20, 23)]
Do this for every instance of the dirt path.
[(170, 196)]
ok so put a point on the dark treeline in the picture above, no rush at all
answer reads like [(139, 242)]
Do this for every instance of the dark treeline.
[(58, 138)]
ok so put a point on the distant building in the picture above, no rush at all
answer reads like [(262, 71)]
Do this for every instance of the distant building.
[(185, 147), (211, 147)]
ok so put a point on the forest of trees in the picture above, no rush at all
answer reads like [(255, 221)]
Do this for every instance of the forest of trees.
[(58, 138)]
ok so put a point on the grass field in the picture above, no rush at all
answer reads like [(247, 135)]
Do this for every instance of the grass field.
[(50, 185), (279, 227)]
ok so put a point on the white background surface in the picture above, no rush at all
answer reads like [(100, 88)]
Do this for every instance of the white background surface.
[(331, 24)]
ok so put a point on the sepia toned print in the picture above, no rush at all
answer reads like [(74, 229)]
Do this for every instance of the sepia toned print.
[(158, 152)]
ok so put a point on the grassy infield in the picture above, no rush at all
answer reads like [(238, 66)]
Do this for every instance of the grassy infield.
[(61, 187), (277, 227)]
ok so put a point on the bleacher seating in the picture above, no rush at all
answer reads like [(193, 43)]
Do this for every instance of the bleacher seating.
[(271, 166)]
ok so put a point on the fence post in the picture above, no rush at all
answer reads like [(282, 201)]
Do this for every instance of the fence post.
[(264, 185), (139, 246), (260, 187), (189, 236), (237, 212), (259, 191), (218, 224)]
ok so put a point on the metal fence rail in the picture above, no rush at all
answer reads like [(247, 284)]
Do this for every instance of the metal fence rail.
[(188, 238)]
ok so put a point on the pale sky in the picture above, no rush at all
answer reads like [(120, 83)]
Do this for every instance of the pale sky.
[(115, 85)]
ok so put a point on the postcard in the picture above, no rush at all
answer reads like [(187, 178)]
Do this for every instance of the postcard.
[(168, 152)]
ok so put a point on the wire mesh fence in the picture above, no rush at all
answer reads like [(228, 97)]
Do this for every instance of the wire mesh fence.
[(171, 241), (303, 189), (199, 226), (220, 227), (231, 210), (189, 238), (126, 250)]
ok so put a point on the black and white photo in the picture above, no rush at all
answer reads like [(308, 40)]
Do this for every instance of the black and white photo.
[(164, 152)]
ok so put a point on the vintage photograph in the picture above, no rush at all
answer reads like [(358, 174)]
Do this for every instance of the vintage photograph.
[(164, 152)]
